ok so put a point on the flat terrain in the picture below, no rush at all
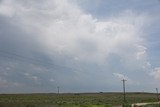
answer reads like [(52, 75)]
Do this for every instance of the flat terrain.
[(73, 99)]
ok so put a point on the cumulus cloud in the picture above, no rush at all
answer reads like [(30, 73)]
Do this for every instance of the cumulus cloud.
[(63, 27), (120, 76), (156, 73), (123, 77), (61, 33)]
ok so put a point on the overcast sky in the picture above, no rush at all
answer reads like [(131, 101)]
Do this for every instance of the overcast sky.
[(79, 45)]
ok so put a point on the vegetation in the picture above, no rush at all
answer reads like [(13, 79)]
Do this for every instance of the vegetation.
[(73, 100), (152, 105)]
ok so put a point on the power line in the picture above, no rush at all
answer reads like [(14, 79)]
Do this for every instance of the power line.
[(19, 57)]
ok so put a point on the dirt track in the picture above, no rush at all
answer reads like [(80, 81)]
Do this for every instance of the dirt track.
[(142, 104)]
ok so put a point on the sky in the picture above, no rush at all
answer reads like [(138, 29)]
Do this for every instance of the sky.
[(79, 45)]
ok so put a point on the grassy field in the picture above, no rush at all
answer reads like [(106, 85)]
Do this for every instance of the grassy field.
[(73, 100)]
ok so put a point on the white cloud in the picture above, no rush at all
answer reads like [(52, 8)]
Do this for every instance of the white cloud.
[(156, 73), (52, 80), (129, 81), (3, 83), (27, 74), (141, 53), (61, 28), (32, 77), (120, 76), (6, 8)]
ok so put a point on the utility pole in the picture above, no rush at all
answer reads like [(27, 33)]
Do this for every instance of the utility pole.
[(124, 92), (157, 94), (60, 100), (58, 89)]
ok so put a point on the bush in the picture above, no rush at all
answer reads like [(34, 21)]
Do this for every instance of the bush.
[(29, 105), (152, 105), (126, 105)]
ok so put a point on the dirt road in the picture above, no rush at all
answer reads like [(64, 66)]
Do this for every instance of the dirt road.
[(143, 104)]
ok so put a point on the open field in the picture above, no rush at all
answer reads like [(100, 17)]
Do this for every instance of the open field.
[(73, 99)]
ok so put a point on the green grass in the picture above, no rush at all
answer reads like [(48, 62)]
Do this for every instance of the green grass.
[(73, 100)]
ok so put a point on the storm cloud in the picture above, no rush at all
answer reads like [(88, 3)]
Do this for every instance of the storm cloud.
[(45, 44)]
